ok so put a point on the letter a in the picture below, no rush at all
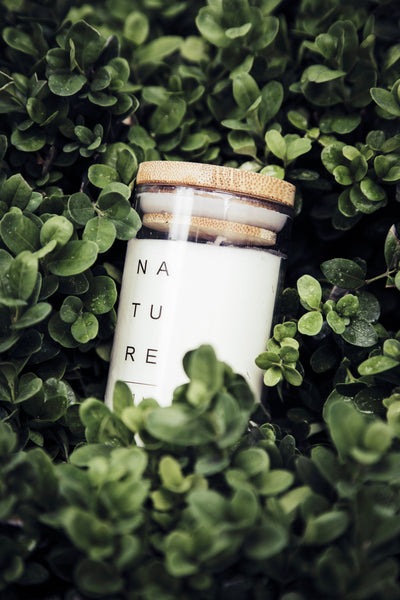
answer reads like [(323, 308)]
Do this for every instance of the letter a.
[(163, 268)]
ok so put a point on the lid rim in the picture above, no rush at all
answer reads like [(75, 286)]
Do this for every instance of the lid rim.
[(215, 177)]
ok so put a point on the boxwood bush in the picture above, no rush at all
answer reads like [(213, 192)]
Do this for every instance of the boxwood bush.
[(216, 496)]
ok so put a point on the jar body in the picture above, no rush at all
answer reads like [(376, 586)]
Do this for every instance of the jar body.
[(201, 271)]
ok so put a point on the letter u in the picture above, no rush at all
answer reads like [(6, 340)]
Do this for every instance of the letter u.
[(159, 312)]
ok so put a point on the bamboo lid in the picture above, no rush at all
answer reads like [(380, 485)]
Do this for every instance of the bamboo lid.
[(210, 229), (214, 177)]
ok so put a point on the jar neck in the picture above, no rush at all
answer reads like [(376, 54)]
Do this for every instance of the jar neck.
[(212, 216)]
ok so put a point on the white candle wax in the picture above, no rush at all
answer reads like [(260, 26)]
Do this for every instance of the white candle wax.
[(188, 201), (177, 295)]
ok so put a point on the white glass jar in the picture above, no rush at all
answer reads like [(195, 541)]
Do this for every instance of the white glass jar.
[(204, 269)]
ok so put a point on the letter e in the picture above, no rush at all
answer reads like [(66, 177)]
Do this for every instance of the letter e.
[(149, 356)]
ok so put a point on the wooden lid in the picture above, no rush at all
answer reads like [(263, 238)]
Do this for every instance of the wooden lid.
[(210, 229), (216, 178)]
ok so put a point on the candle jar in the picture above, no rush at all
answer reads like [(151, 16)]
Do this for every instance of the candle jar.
[(204, 269)]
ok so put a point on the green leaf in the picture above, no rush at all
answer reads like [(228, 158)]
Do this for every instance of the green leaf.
[(171, 475), (372, 190), (194, 48), (66, 84), (252, 461), (244, 507), (391, 347), (343, 175), (274, 482), (15, 191), (98, 578), (86, 42), (113, 205), (266, 359), (369, 307), (332, 156), (101, 79), (292, 375), (322, 74), (392, 175), (336, 322), (29, 386), (60, 332), (179, 426), (122, 397), (285, 330), (17, 39), (35, 314), (276, 143), (85, 328), (344, 273), (102, 175), (289, 354), (298, 147), (70, 309), (36, 110), (377, 364), (209, 25), (127, 165), (88, 532), (128, 227), (242, 143), (345, 204), (93, 413), (101, 231), (298, 119), (103, 99), (266, 541), (273, 376), (202, 365), (179, 554), (19, 233), (158, 49), (360, 333), (310, 291), (273, 171), (194, 142), (339, 123), (56, 228), (238, 32), (386, 100), (168, 116), (80, 208), (245, 90), (28, 141), (23, 274), (136, 27), (325, 528), (272, 97), (116, 187), (310, 323), (6, 260), (75, 257), (207, 506), (348, 305), (101, 296), (84, 134)]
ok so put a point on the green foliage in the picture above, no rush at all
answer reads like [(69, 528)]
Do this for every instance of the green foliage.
[(214, 496)]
